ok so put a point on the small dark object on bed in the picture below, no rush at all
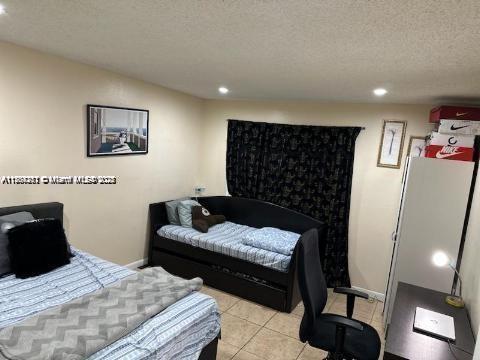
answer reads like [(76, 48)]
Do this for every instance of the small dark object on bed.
[(202, 220), (37, 247)]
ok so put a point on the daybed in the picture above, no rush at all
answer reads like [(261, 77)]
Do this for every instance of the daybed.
[(187, 329), (258, 275)]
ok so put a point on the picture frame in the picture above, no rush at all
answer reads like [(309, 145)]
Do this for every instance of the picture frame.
[(391, 144), (417, 144), (114, 131)]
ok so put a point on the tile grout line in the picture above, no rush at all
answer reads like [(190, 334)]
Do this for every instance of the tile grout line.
[(301, 351), (256, 333), (260, 328), (263, 326)]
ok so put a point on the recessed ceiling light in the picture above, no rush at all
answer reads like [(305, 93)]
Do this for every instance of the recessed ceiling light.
[(223, 90), (380, 92), (2, 10)]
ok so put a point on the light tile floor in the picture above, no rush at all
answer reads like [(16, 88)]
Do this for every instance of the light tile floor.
[(254, 332)]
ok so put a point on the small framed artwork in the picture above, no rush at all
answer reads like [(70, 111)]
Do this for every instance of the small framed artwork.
[(416, 146), (391, 144), (116, 131)]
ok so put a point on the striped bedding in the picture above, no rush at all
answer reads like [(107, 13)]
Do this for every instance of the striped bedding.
[(178, 332), (226, 239)]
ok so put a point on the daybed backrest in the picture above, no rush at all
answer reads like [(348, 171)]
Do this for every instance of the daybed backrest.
[(257, 213), (39, 211)]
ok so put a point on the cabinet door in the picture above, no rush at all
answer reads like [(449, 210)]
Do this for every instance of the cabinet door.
[(432, 218)]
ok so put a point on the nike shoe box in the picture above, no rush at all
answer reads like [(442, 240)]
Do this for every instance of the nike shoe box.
[(465, 141), (454, 113), (448, 152), (459, 127)]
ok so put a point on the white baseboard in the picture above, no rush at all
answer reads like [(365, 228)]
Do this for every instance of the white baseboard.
[(373, 294), (136, 264)]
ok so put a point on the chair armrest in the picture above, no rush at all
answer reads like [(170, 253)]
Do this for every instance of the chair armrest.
[(339, 320), (351, 295), (350, 291)]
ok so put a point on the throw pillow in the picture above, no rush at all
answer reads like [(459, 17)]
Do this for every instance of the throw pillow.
[(185, 212), (6, 223), (172, 211), (37, 247)]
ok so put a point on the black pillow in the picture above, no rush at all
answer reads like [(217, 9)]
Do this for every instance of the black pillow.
[(37, 247)]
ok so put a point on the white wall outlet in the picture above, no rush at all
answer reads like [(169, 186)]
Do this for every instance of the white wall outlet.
[(199, 190)]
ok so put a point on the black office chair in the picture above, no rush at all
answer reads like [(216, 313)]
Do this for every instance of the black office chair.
[(342, 337)]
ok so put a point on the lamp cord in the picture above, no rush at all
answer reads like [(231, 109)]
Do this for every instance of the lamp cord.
[(453, 346), (459, 279)]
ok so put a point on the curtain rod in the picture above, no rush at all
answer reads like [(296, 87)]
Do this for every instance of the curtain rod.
[(362, 128)]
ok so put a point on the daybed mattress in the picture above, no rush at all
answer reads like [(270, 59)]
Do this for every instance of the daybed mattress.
[(178, 332), (226, 239)]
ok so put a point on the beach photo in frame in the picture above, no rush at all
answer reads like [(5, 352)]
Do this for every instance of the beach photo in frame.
[(115, 131)]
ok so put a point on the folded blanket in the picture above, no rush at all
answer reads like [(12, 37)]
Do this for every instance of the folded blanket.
[(272, 239), (81, 327)]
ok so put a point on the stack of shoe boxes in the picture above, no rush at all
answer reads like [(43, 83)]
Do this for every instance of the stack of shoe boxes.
[(454, 137)]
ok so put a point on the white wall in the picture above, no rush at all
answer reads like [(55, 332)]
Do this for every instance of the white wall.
[(375, 191), (476, 353), (470, 270), (42, 122), (43, 132)]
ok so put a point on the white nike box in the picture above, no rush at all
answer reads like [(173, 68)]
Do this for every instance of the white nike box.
[(437, 138), (459, 127), (434, 323)]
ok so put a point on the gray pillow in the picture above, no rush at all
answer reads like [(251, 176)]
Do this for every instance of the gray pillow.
[(185, 212), (6, 223), (172, 210)]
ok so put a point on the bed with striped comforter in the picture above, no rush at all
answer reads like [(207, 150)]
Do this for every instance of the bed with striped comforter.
[(226, 239), (179, 332)]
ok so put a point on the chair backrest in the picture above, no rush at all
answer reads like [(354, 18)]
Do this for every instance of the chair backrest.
[(311, 282)]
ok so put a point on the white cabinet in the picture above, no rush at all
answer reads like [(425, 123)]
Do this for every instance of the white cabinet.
[(431, 217)]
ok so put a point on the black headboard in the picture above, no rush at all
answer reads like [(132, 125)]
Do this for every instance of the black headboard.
[(251, 212), (39, 211), (259, 213)]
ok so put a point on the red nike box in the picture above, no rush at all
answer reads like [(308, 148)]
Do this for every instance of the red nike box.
[(454, 113), (449, 152)]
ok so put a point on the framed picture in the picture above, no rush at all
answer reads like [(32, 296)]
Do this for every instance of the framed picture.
[(116, 131), (391, 143), (416, 146)]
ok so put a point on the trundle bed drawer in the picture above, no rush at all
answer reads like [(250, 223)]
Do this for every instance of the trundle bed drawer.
[(259, 292), (279, 278)]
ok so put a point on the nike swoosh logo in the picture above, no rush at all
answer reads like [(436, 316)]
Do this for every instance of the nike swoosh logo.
[(461, 114), (453, 128), (443, 156)]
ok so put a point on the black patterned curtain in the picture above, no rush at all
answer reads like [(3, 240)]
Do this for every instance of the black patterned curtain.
[(304, 168)]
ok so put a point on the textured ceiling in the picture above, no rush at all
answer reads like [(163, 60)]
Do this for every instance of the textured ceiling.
[(422, 51)]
